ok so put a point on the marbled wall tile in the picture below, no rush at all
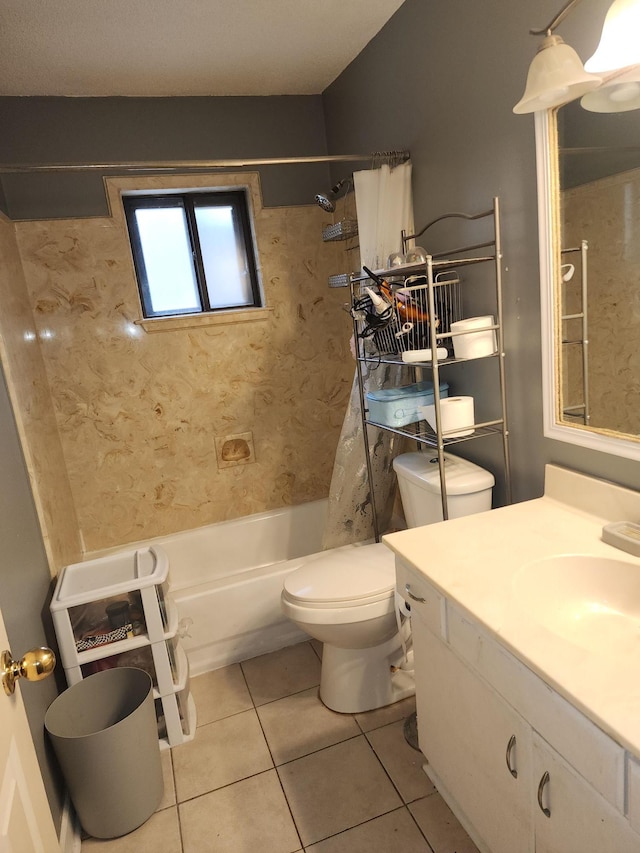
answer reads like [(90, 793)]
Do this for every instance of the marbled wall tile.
[(27, 382), (607, 214), (138, 413)]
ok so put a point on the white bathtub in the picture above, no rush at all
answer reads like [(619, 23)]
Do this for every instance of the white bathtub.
[(227, 578)]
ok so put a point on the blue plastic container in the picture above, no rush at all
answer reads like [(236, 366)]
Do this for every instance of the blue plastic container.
[(397, 407)]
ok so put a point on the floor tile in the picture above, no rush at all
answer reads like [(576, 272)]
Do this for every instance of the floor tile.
[(336, 788), (282, 673), (402, 762), (394, 831), (160, 834), (300, 724), (246, 817), (370, 720), (220, 693), (221, 753), (440, 826), (169, 797)]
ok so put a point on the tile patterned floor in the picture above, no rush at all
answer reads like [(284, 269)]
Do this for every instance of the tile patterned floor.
[(271, 770)]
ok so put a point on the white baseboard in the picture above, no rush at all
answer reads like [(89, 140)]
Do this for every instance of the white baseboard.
[(69, 829)]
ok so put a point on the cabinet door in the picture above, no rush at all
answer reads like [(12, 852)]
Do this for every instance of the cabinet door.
[(464, 731), (579, 819)]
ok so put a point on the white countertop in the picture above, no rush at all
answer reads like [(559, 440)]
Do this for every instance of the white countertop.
[(473, 560)]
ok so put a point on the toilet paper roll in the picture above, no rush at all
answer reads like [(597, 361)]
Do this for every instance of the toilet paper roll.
[(474, 344), (455, 412), (401, 605)]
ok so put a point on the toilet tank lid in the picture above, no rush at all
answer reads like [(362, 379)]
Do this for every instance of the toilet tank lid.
[(347, 574), (461, 476)]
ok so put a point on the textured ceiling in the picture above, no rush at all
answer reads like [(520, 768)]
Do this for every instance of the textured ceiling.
[(191, 47)]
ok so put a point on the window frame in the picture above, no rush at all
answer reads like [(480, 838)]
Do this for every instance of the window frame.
[(188, 200)]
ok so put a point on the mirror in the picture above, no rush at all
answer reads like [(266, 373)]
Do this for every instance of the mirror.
[(589, 214)]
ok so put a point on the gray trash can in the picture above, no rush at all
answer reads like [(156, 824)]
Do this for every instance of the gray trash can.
[(105, 736)]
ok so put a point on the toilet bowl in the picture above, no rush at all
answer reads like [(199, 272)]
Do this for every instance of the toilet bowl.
[(346, 597)]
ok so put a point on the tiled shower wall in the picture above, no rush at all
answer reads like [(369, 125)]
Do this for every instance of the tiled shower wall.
[(139, 413), (606, 212), (25, 373)]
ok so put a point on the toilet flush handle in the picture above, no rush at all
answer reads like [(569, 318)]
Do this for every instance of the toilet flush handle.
[(411, 595)]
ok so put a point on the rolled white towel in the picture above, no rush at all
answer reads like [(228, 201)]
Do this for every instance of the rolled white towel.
[(414, 355)]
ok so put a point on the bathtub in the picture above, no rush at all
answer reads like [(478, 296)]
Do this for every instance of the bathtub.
[(227, 578)]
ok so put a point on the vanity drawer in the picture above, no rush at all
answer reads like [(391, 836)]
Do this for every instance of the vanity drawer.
[(426, 603), (591, 752)]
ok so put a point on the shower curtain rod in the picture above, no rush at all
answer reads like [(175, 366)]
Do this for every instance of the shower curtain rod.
[(173, 165)]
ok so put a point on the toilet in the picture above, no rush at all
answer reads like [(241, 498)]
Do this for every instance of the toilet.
[(346, 597)]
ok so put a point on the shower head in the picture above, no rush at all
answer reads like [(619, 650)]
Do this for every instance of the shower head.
[(326, 200)]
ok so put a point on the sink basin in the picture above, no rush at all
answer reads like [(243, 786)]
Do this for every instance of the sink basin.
[(593, 602)]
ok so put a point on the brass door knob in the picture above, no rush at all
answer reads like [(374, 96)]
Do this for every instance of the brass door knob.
[(34, 666)]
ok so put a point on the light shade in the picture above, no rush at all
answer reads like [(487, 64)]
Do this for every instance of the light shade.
[(617, 95), (620, 40), (555, 77)]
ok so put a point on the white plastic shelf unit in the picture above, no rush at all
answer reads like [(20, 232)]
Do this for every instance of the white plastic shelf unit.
[(117, 611), (439, 299)]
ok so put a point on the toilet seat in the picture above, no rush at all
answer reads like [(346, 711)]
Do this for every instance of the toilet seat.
[(343, 578)]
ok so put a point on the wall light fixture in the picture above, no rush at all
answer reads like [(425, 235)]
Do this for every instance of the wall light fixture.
[(609, 80)]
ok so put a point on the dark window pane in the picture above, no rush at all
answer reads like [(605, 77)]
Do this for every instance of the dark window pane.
[(193, 252)]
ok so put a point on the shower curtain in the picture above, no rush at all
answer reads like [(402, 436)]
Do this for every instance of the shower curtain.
[(384, 208)]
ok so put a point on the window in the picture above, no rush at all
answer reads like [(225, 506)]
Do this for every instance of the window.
[(193, 252)]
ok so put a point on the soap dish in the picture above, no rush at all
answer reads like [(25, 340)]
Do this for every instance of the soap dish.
[(624, 535)]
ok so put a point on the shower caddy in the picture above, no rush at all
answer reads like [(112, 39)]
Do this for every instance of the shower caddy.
[(136, 582), (440, 297)]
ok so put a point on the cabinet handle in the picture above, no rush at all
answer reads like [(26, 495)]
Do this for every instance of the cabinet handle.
[(510, 746), (411, 595), (543, 782)]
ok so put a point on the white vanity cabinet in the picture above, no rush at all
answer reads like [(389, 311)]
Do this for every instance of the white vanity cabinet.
[(521, 768), (477, 746)]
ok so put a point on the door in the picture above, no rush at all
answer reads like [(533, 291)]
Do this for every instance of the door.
[(478, 748), (571, 817), (26, 825)]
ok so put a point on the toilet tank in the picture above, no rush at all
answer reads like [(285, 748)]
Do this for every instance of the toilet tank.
[(469, 487)]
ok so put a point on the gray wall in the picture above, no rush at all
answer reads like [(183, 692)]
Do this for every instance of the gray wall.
[(25, 589), (97, 130), (441, 79)]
